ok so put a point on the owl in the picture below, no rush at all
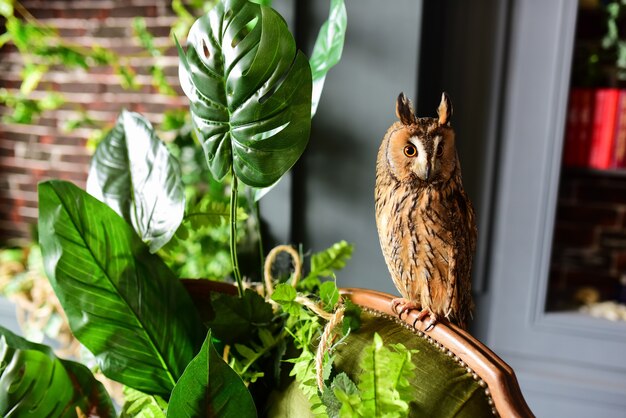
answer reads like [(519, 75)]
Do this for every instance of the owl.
[(426, 223)]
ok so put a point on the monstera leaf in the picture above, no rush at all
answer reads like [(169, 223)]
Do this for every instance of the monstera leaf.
[(250, 91), (35, 383), (121, 301), (133, 172)]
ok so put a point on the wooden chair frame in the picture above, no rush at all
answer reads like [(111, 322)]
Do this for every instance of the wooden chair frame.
[(502, 385)]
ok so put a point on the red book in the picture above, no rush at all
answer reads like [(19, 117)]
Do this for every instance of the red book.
[(603, 133), (619, 160)]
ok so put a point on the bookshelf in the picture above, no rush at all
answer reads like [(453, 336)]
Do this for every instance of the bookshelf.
[(588, 259)]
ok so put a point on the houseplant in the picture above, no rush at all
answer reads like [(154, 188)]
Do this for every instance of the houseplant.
[(195, 348), (121, 300)]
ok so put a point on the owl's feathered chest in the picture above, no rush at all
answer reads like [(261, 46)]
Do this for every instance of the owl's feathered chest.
[(416, 228), (426, 212)]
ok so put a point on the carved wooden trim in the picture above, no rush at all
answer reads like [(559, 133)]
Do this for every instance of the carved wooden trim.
[(499, 376)]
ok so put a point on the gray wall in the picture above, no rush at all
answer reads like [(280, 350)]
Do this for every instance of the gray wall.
[(336, 177)]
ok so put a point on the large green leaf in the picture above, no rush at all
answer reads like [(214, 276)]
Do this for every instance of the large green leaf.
[(133, 172), (35, 383), (239, 317), (210, 388), (328, 48), (250, 91), (122, 302)]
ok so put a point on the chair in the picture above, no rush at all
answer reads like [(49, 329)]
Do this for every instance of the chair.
[(458, 376)]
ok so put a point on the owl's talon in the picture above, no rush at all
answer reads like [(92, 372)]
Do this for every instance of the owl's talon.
[(405, 306), (430, 325), (432, 319)]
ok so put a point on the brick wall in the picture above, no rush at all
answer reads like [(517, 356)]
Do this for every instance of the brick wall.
[(589, 247), (32, 153)]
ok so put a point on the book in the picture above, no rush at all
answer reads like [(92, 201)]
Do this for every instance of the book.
[(603, 128), (619, 158)]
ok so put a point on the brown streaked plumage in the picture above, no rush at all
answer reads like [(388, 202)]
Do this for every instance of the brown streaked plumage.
[(425, 221)]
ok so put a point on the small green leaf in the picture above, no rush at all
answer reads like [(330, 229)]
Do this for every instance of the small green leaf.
[(284, 293), (237, 318), (351, 317), (140, 405), (31, 75), (6, 8), (210, 388), (325, 263), (145, 37), (34, 382), (342, 398), (328, 48), (329, 294), (285, 296)]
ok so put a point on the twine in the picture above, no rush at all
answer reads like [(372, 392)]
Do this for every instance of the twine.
[(324, 345), (269, 262)]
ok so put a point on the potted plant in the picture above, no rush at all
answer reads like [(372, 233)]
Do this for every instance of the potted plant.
[(188, 348)]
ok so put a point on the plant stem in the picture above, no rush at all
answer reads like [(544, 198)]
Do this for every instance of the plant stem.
[(233, 234), (257, 215)]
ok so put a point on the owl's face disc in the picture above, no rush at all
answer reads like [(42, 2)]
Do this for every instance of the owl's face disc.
[(423, 151)]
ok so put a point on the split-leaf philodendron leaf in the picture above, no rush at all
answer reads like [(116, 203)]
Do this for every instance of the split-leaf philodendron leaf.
[(35, 383), (122, 302), (250, 91), (133, 172)]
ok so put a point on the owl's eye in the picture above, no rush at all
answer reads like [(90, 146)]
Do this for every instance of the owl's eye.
[(439, 152), (410, 151)]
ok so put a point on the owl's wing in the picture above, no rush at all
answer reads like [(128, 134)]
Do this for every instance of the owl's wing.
[(461, 255)]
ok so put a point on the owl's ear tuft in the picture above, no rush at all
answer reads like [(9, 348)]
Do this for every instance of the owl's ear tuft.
[(445, 109), (404, 110)]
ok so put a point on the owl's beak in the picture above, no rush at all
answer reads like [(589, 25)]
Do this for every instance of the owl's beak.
[(428, 170)]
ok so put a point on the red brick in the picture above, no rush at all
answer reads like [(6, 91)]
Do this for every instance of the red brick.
[(132, 11)]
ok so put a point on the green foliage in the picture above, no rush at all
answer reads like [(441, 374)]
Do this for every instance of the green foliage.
[(156, 70), (325, 263), (139, 405), (239, 318), (41, 48), (285, 295), (34, 382), (250, 92), (383, 387), (133, 172), (615, 38), (210, 388), (251, 108), (122, 302), (245, 359)]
